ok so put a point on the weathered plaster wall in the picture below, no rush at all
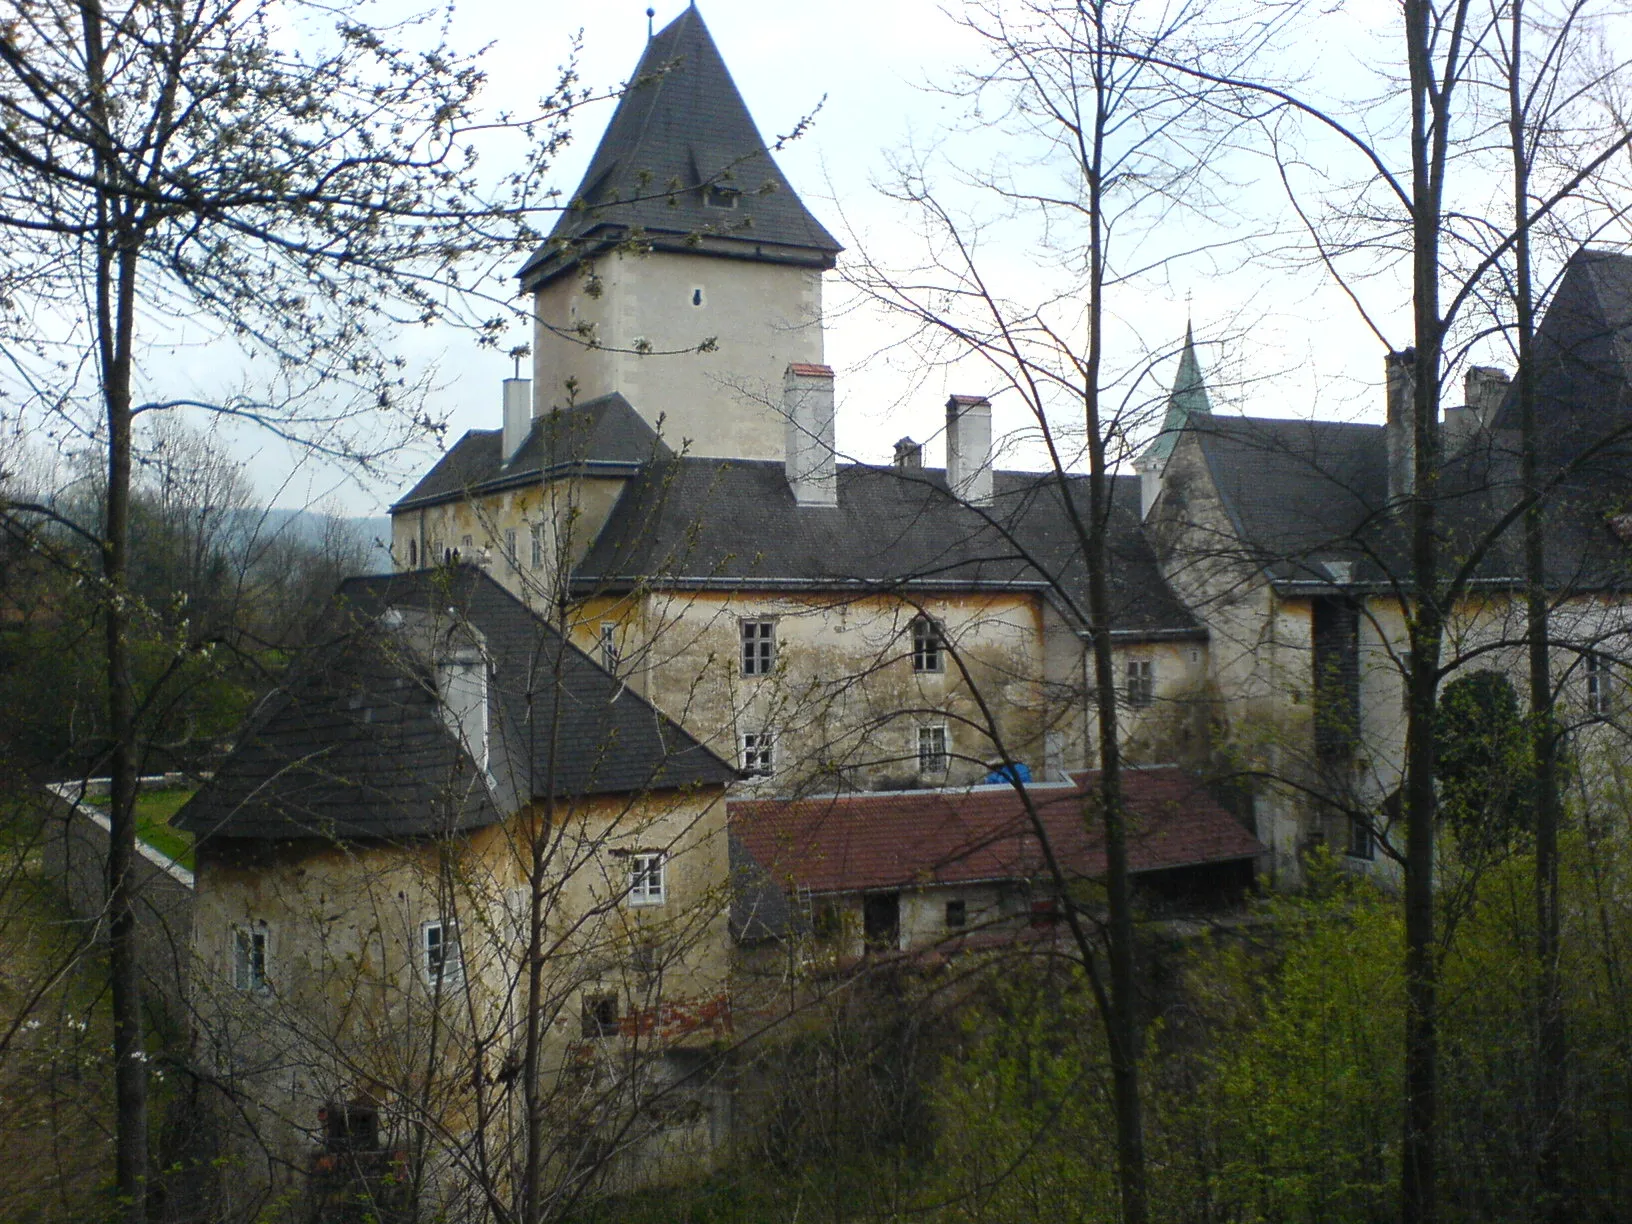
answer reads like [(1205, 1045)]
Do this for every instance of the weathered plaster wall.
[(724, 402), (843, 700)]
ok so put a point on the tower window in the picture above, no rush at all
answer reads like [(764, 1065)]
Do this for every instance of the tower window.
[(696, 297)]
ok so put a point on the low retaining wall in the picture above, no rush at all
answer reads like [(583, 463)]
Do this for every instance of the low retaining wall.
[(76, 852)]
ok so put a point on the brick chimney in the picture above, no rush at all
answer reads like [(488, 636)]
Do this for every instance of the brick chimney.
[(518, 414), (969, 448), (812, 466), (1399, 369)]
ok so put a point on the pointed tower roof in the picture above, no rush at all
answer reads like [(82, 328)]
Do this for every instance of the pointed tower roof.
[(683, 162), (1186, 403)]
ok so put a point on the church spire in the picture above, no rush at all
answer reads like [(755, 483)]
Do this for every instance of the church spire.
[(683, 165), (1186, 403)]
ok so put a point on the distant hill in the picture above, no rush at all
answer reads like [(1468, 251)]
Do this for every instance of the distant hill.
[(310, 526)]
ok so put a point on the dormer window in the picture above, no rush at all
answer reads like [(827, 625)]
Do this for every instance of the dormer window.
[(716, 196)]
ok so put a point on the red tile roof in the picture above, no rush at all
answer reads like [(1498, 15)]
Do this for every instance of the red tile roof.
[(854, 842)]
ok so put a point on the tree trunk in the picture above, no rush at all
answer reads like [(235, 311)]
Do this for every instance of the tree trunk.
[(116, 265), (1550, 1037), (1418, 1198)]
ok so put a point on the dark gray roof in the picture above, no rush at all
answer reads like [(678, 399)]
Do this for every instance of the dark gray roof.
[(713, 522), (680, 126), (604, 436), (1583, 365), (354, 745)]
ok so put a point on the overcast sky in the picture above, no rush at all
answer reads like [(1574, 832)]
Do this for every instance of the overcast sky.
[(1278, 343)]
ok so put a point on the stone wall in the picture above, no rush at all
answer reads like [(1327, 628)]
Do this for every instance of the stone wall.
[(76, 852)]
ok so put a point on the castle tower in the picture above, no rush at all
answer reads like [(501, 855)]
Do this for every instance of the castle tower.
[(682, 230), (1188, 404)]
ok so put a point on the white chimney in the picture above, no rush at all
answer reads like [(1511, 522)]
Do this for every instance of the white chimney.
[(969, 448), (518, 414), (807, 402)]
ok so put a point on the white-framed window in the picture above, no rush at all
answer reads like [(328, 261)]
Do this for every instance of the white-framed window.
[(538, 547), (646, 877), (249, 949), (759, 753), (1599, 685), (758, 647), (609, 645), (928, 645), (510, 553), (932, 755), (441, 957), (1141, 682)]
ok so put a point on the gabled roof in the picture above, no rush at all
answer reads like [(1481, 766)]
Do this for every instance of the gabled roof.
[(603, 436), (907, 839), (681, 127), (356, 745), (1583, 362), (734, 523), (1187, 403)]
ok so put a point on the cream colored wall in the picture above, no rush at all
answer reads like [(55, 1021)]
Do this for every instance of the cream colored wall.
[(350, 1008), (570, 512), (726, 402), (844, 701)]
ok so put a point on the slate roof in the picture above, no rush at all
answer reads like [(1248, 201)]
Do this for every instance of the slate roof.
[(603, 436), (682, 125), (355, 745), (907, 839), (718, 523)]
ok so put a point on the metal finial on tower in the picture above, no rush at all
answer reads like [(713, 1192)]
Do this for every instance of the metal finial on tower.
[(650, 13)]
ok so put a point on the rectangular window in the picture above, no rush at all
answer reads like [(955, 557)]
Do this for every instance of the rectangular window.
[(538, 548), (443, 961), (1361, 843), (510, 553), (928, 645), (646, 878), (758, 647), (600, 1016), (957, 915), (1598, 686), (249, 958), (932, 757), (609, 645), (1141, 682), (759, 754)]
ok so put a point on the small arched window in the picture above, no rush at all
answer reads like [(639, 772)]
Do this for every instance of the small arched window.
[(413, 554)]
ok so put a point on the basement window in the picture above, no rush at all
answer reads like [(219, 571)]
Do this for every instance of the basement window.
[(932, 754), (249, 958)]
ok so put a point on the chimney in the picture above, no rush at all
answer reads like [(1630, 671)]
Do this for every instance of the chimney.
[(1483, 389), (909, 455), (1399, 370), (807, 402), (969, 448), (518, 414)]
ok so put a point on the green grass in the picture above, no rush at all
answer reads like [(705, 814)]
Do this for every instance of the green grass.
[(153, 812)]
